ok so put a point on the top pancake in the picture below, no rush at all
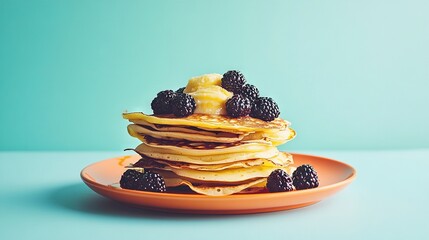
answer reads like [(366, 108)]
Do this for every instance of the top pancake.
[(204, 121)]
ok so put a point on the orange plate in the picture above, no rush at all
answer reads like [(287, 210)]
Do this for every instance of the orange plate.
[(333, 176)]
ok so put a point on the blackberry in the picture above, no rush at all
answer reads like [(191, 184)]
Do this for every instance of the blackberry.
[(233, 81), (131, 179), (305, 177), (152, 182), (279, 181), (148, 181), (180, 90), (238, 106), (265, 109), (183, 105), (161, 104), (250, 91)]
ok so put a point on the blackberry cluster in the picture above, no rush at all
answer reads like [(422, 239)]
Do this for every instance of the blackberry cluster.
[(279, 181), (161, 104), (233, 81), (148, 181), (265, 108), (238, 106), (178, 103), (305, 177), (183, 105)]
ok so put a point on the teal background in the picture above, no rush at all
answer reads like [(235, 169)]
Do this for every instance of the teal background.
[(347, 74)]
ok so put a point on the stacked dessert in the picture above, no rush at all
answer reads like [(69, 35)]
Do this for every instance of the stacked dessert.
[(217, 136)]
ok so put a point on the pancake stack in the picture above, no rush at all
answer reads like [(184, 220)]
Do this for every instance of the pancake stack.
[(211, 154)]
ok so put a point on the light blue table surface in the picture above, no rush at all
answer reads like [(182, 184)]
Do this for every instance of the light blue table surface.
[(42, 197)]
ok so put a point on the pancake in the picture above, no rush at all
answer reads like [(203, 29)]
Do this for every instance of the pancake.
[(223, 176), (186, 129), (277, 138), (282, 160), (220, 190), (171, 175), (139, 132), (204, 149), (159, 153), (244, 124)]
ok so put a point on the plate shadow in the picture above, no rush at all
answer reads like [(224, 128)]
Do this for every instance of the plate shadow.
[(78, 197)]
